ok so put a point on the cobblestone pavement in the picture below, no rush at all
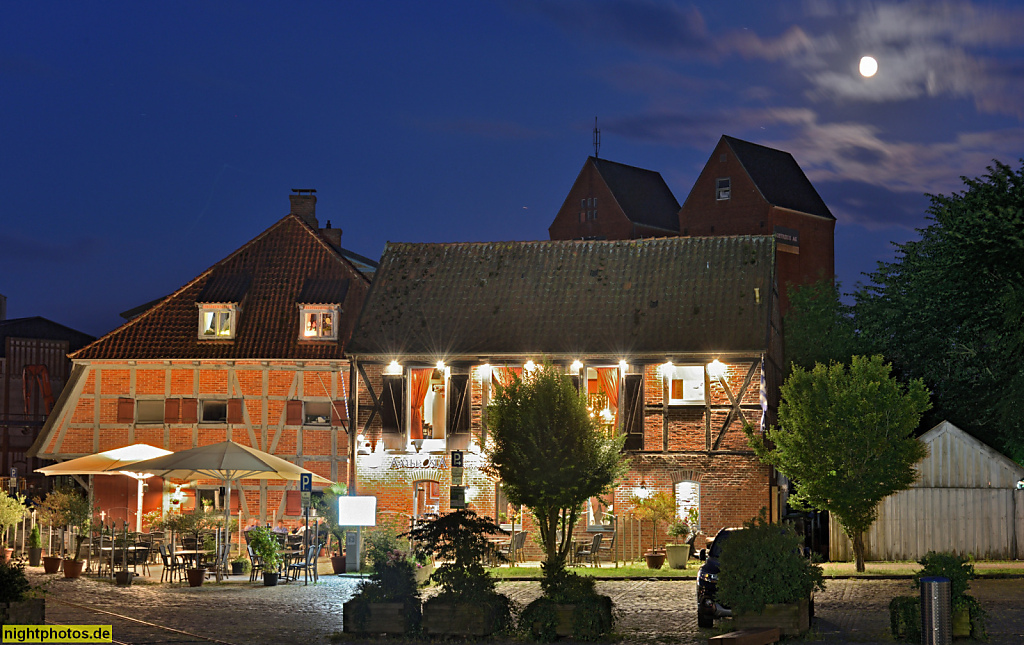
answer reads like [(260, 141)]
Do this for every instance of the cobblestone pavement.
[(848, 611)]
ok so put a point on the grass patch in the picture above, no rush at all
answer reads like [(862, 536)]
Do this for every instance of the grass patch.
[(623, 571)]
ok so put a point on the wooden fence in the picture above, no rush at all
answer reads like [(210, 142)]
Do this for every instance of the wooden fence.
[(986, 523)]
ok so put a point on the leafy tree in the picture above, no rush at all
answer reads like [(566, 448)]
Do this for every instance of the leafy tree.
[(659, 507), (68, 506), (819, 328), (549, 453), (950, 308), (846, 437)]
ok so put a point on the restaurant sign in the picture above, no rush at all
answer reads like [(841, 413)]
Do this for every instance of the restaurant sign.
[(414, 461)]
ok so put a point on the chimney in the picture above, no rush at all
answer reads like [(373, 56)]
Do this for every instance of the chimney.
[(3, 298), (304, 205), (332, 235)]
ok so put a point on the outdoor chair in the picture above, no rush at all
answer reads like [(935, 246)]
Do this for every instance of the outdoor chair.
[(220, 561), (307, 565), (593, 552), (513, 549), (141, 556), (607, 546), (172, 564), (255, 561)]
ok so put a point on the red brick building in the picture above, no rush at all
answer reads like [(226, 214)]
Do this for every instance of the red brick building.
[(749, 189), (250, 350), (675, 339), (613, 201)]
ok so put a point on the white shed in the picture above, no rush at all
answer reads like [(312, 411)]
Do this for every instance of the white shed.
[(965, 501)]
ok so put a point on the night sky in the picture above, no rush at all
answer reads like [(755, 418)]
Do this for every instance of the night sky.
[(141, 142)]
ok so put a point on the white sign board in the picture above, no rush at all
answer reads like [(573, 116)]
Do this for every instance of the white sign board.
[(357, 511)]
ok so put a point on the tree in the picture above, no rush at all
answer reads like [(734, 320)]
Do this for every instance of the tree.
[(549, 453), (659, 507), (818, 327), (846, 438), (950, 308)]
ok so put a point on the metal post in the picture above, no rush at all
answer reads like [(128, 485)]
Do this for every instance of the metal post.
[(936, 613)]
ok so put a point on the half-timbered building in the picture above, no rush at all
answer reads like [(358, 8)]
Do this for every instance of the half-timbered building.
[(250, 350), (676, 341)]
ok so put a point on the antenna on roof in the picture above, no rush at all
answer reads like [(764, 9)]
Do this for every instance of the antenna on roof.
[(597, 139)]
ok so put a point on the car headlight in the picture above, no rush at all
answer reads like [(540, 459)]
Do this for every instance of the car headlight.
[(708, 577)]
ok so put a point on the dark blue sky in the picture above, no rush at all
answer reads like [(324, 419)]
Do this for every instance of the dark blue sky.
[(142, 142)]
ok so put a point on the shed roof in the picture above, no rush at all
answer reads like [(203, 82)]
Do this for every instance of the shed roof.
[(622, 298), (958, 460)]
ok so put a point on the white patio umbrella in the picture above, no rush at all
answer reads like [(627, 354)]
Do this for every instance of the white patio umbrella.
[(226, 462), (119, 461)]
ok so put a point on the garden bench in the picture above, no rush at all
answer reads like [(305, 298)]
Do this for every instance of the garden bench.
[(761, 636)]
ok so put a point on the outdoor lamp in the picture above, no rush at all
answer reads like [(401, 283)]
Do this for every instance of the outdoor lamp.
[(623, 366), (665, 369), (530, 366), (716, 369), (576, 367)]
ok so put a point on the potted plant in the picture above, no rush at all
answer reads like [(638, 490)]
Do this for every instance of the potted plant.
[(67, 506), (327, 508), (677, 551), (17, 607), (193, 524), (765, 579), (468, 604), (968, 619), (35, 547), (656, 508), (266, 547), (240, 565), (12, 509), (388, 602)]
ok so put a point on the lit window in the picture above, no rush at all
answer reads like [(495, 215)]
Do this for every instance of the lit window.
[(319, 323), (217, 321), (149, 411), (214, 412), (688, 504), (686, 385), (316, 413), (723, 188)]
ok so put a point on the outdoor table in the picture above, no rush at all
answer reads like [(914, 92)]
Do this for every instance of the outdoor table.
[(192, 556), (114, 552)]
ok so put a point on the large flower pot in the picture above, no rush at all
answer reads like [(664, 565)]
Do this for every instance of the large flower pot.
[(270, 578), (35, 554), (677, 555), (123, 578), (792, 618), (51, 564), (6, 555), (361, 617), (195, 576), (338, 564), (72, 568), (961, 622), (423, 573), (461, 619), (654, 560), (31, 611), (237, 568)]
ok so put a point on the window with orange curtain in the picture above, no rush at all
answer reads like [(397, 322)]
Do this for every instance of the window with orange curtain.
[(608, 378), (503, 375), (420, 385)]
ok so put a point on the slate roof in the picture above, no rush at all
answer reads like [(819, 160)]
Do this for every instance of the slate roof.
[(575, 298), (276, 264), (778, 177), (317, 291), (642, 194), (42, 328)]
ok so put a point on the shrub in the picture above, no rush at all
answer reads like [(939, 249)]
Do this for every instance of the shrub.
[(34, 540), (13, 583), (592, 614), (959, 570), (762, 565), (905, 618), (265, 545)]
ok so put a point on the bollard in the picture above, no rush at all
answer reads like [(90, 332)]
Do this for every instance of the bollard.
[(936, 613)]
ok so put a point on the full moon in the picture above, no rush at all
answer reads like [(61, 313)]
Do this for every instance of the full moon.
[(868, 66)]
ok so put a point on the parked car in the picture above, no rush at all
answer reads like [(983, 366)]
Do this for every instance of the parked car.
[(708, 609)]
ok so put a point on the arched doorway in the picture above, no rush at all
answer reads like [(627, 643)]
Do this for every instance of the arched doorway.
[(426, 499)]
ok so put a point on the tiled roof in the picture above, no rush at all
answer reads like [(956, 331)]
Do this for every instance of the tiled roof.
[(779, 178), (279, 261), (642, 194), (225, 286), (42, 328), (316, 291), (666, 295)]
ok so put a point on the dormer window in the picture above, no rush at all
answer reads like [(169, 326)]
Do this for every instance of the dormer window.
[(318, 323), (217, 321), (723, 188)]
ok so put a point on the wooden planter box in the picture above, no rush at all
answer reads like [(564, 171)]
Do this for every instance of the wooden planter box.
[(24, 612), (564, 626), (359, 617), (792, 618), (459, 619)]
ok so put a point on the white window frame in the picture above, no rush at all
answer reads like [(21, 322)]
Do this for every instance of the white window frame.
[(319, 311), (149, 421), (723, 188), (202, 410), (306, 412), (206, 309), (681, 504), (693, 380)]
